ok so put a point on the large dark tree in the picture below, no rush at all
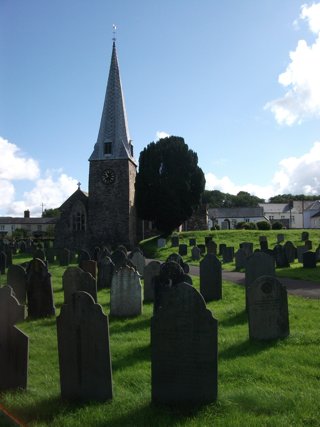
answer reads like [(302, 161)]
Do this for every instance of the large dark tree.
[(169, 183)]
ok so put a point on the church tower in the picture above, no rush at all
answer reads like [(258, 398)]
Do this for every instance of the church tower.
[(112, 173)]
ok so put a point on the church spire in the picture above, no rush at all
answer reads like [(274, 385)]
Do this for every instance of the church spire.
[(113, 139)]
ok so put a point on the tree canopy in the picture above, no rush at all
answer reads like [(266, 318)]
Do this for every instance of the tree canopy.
[(50, 213), (286, 198), (217, 199), (169, 183)]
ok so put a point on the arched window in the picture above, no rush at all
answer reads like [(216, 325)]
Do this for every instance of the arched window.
[(79, 217)]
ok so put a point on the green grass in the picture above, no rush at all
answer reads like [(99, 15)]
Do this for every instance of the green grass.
[(265, 384), (234, 238)]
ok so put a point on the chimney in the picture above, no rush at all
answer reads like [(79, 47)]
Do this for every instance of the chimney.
[(27, 214)]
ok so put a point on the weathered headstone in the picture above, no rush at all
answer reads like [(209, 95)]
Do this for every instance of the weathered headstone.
[(211, 247), (222, 247), (13, 343), (192, 241), (202, 248), (105, 272), (309, 260), (75, 279), (40, 254), (83, 255), (64, 257), (174, 241), (138, 261), (161, 243), (119, 259), (195, 253), (263, 239), (308, 245), (259, 264), (267, 309), (318, 254), (3, 262), (210, 278), (304, 236), (151, 270), (39, 290), (84, 351), (247, 247), (240, 258), (280, 238), (17, 279), (228, 254), (290, 251), (183, 249), (184, 350), (126, 293), (264, 245), (207, 239), (178, 259), (90, 266), (300, 251), (280, 257)]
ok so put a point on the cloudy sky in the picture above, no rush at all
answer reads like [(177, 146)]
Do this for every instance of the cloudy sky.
[(238, 80)]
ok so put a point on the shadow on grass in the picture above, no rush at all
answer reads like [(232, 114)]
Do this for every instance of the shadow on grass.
[(130, 325), (137, 355), (237, 319), (246, 348)]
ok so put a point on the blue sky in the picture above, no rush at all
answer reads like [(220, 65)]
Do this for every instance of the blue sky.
[(238, 80)]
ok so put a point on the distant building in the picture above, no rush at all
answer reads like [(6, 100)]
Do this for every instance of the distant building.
[(311, 215), (228, 218), (34, 227)]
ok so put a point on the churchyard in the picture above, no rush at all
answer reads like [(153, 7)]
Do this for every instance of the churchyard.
[(267, 382)]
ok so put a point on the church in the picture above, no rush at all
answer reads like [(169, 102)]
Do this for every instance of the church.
[(106, 215)]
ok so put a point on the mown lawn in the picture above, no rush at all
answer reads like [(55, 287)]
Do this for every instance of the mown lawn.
[(266, 384)]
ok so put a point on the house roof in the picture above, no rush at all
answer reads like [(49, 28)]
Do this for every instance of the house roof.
[(9, 220), (236, 212)]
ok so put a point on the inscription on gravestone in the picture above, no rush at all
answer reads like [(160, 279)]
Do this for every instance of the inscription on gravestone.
[(211, 278)]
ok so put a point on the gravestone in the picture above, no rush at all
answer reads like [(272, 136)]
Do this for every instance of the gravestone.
[(247, 247), (39, 290), (183, 249), (280, 238), (192, 241), (280, 257), (105, 272), (318, 254), (96, 253), (22, 246), (211, 247), (161, 243), (263, 239), (138, 260), (195, 253), (119, 259), (308, 245), (207, 239), (64, 257), (267, 309), (184, 350), (300, 251), (90, 266), (309, 260), (290, 251), (13, 343), (83, 255), (259, 264), (202, 248), (304, 236), (8, 252), (75, 279), (178, 259), (151, 270), (3, 262), (50, 254), (228, 254), (17, 279), (264, 245), (240, 258), (84, 350), (174, 241), (210, 278), (40, 254), (222, 247), (126, 293)]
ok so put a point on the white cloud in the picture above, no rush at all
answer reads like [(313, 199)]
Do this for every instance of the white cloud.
[(301, 78), (13, 165), (296, 175), (51, 189), (161, 134)]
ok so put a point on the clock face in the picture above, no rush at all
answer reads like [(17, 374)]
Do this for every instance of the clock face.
[(108, 176)]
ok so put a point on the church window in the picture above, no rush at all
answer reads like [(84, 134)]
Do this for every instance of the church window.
[(78, 218), (107, 148)]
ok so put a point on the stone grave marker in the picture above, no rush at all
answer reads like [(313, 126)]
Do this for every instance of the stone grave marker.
[(126, 293), (240, 258), (178, 259), (183, 249), (280, 238), (309, 260), (304, 236), (64, 257), (211, 247), (318, 254), (84, 350), (75, 279), (138, 260), (263, 239), (210, 278), (228, 254), (50, 254), (40, 254), (8, 252), (290, 251), (202, 248), (195, 253), (267, 309), (119, 259), (222, 247), (174, 241), (105, 272), (184, 350), (161, 243), (264, 245), (280, 257), (17, 279), (259, 264), (3, 262), (192, 241), (308, 245), (247, 247), (90, 266), (83, 255), (300, 251), (14, 344), (39, 290), (207, 239), (151, 270)]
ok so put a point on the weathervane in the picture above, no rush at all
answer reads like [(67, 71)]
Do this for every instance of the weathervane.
[(114, 32)]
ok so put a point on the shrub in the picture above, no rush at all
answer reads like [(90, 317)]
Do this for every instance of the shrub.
[(277, 225), (246, 225), (263, 225)]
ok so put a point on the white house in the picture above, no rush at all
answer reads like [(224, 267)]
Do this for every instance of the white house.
[(228, 218), (34, 227)]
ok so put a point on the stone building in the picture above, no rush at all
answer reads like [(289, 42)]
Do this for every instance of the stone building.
[(105, 215)]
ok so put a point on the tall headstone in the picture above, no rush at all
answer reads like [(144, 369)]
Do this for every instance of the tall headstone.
[(240, 258), (138, 260), (211, 247), (184, 350), (3, 262), (300, 251), (174, 241), (280, 257), (267, 309), (290, 251), (14, 344), (304, 236), (161, 243), (17, 279), (210, 278), (84, 351), (90, 266), (105, 272), (192, 241), (309, 260), (64, 257), (280, 238), (183, 249), (259, 264), (126, 293), (247, 247), (83, 255), (75, 279), (39, 290), (151, 271), (228, 254), (195, 253)]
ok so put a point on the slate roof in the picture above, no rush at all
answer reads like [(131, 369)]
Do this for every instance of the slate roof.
[(17, 221), (236, 212), (114, 124)]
